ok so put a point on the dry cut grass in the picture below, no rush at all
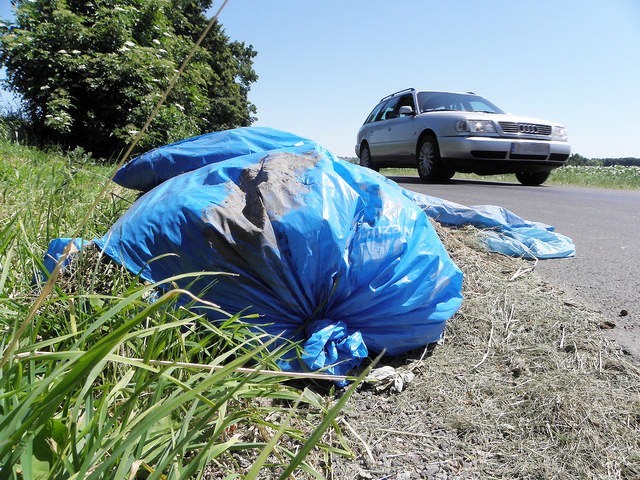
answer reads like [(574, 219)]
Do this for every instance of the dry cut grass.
[(522, 386)]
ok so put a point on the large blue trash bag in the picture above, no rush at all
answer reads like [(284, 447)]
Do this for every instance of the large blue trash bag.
[(155, 166), (326, 252)]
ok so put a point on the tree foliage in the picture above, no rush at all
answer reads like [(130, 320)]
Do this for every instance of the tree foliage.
[(90, 72), (578, 160)]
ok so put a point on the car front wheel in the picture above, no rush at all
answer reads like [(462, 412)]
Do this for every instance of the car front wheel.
[(532, 179), (429, 162), (365, 158)]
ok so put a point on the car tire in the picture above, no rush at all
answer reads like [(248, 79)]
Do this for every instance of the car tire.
[(429, 162), (532, 179), (365, 158)]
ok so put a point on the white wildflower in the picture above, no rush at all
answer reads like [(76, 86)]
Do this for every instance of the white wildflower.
[(64, 52), (156, 41), (129, 44)]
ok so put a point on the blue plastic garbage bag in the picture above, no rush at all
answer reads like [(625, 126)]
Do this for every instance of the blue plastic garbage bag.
[(504, 231), (326, 252), (331, 344), (155, 166)]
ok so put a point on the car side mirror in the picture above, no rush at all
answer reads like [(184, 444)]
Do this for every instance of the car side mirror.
[(406, 110)]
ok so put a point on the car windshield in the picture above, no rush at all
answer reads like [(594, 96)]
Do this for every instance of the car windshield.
[(463, 102)]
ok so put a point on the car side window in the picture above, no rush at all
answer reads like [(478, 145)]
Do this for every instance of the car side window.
[(388, 109), (374, 113)]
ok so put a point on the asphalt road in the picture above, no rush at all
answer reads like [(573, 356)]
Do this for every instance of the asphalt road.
[(604, 226)]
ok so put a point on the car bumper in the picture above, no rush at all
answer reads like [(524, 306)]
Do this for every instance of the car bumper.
[(553, 153)]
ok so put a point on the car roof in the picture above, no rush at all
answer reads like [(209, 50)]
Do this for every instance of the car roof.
[(407, 90)]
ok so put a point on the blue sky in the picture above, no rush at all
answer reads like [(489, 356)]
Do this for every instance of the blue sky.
[(323, 65)]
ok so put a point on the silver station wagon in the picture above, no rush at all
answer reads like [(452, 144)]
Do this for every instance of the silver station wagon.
[(441, 133)]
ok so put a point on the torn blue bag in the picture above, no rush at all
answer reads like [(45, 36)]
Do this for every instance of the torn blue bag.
[(502, 230)]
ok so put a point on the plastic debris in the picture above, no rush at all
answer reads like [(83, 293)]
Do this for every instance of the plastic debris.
[(504, 231), (390, 378)]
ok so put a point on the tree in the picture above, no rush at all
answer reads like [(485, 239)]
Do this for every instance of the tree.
[(577, 159), (90, 72)]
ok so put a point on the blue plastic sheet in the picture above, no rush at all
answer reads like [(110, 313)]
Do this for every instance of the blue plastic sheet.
[(155, 166), (504, 231), (326, 252)]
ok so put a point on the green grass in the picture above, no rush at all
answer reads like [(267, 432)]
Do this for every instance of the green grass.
[(617, 176), (614, 177), (96, 382)]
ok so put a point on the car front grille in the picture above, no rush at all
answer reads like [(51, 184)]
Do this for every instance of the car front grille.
[(516, 128)]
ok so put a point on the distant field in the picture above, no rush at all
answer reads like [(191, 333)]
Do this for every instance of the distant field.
[(617, 177)]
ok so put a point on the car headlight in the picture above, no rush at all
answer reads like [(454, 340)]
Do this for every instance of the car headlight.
[(475, 126), (559, 134)]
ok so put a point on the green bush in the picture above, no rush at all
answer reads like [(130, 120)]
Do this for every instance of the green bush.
[(90, 73)]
